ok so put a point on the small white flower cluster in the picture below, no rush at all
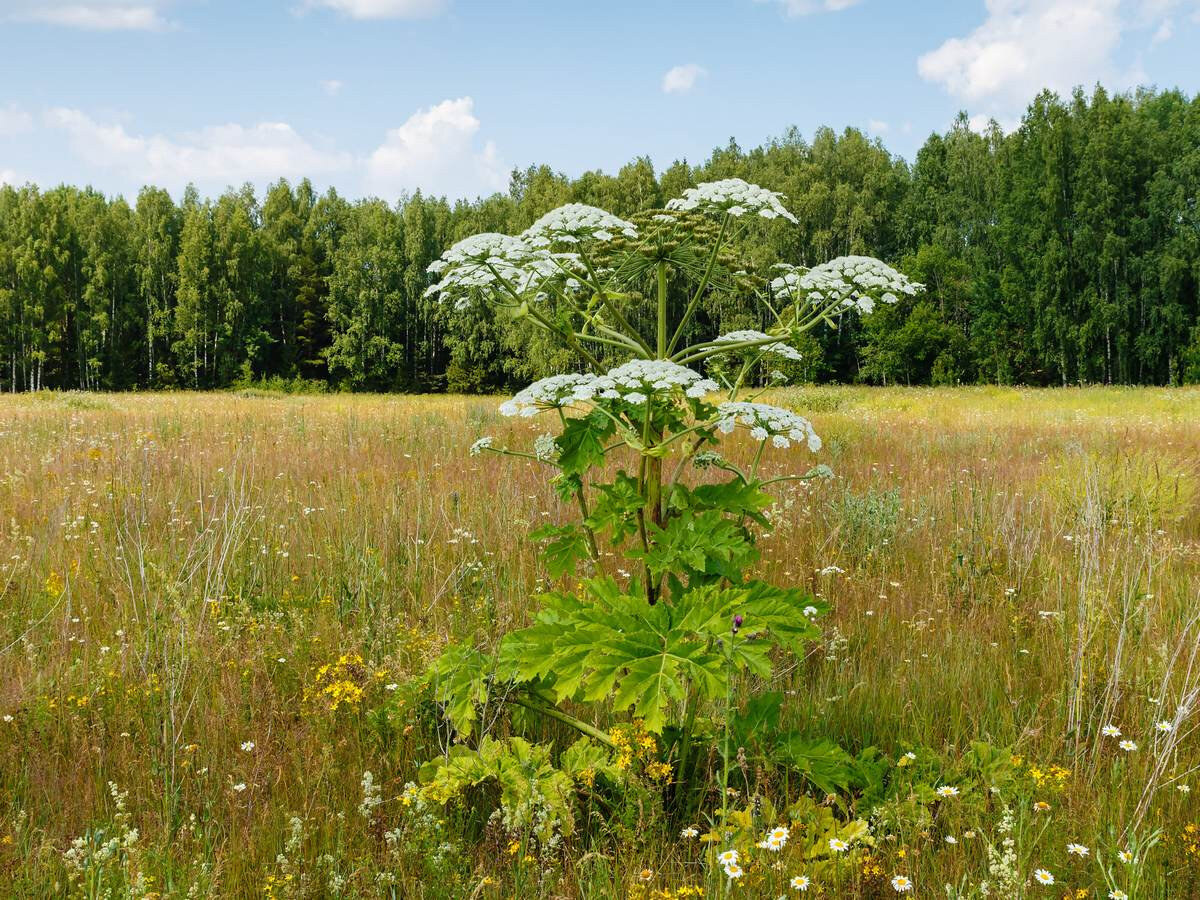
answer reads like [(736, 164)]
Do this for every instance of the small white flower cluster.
[(734, 196), (765, 421), (480, 445), (554, 392), (574, 223), (852, 280), (483, 260), (638, 379), (633, 382), (779, 348)]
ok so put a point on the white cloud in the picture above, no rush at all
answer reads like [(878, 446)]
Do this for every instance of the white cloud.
[(96, 15), (875, 126), (221, 154), (381, 9), (332, 86), (437, 151), (1025, 45), (14, 120), (8, 176), (807, 7), (681, 79), (1165, 29)]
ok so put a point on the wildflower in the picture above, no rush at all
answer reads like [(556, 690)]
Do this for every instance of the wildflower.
[(1043, 877), (1182, 788), (727, 857), (645, 875), (576, 222), (1110, 731), (1125, 856), (1163, 726), (690, 832), (734, 196), (1128, 746), (1077, 850), (781, 425), (837, 845), (248, 746), (848, 281), (900, 884), (779, 834), (779, 348), (951, 839), (1041, 806), (810, 611), (240, 786), (1117, 894), (480, 445), (947, 790), (733, 871), (800, 883)]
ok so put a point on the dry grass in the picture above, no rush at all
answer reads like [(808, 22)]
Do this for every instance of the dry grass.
[(1020, 567)]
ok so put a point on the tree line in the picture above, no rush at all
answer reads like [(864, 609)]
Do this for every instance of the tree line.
[(1064, 252)]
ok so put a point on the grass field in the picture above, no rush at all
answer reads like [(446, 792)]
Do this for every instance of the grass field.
[(213, 607)]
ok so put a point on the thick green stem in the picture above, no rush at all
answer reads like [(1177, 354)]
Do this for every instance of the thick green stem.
[(662, 310), (559, 716), (691, 308)]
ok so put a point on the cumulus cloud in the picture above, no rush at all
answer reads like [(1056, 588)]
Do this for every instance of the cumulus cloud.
[(95, 15), (1023, 46), (681, 79), (220, 154), (808, 7), (875, 126), (381, 9), (437, 150), (7, 176), (14, 120)]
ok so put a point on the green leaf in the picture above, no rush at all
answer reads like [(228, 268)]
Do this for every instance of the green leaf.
[(460, 680), (704, 545), (565, 546), (581, 444), (616, 507), (822, 762)]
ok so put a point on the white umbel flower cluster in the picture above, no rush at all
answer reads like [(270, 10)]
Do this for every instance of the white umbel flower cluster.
[(734, 196), (781, 426), (639, 379), (482, 260), (779, 348), (574, 223), (634, 382), (857, 281), (554, 392)]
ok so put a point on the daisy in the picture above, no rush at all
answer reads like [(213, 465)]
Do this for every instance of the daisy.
[(1125, 856), (1077, 850), (733, 871), (1117, 894), (728, 858), (800, 883), (248, 746), (779, 835), (1110, 731), (1043, 877), (690, 832), (901, 884), (1127, 746), (1162, 727), (947, 790), (1041, 806), (837, 845), (951, 839)]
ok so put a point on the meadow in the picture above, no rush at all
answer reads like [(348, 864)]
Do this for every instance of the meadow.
[(216, 611)]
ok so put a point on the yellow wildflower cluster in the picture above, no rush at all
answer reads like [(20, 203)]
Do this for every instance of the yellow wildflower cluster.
[(633, 744), (1054, 777), (871, 868), (338, 684), (644, 892), (1190, 842)]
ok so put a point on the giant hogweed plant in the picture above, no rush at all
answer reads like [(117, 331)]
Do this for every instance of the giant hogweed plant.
[(644, 410)]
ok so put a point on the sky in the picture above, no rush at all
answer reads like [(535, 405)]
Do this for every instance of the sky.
[(384, 97)]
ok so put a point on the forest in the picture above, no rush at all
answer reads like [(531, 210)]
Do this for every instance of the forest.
[(1064, 252)]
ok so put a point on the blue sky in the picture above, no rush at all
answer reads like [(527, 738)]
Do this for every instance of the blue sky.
[(387, 96)]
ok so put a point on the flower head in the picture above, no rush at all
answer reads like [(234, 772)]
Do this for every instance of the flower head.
[(800, 883), (1043, 877), (575, 223), (1077, 850), (554, 392), (837, 845), (1117, 894), (947, 790), (1110, 730), (1163, 726), (480, 445), (1128, 746), (845, 282), (727, 857), (733, 871), (901, 884), (782, 426), (778, 348), (496, 262), (735, 197), (690, 832)]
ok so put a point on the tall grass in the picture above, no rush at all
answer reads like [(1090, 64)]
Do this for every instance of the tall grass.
[(208, 604)]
